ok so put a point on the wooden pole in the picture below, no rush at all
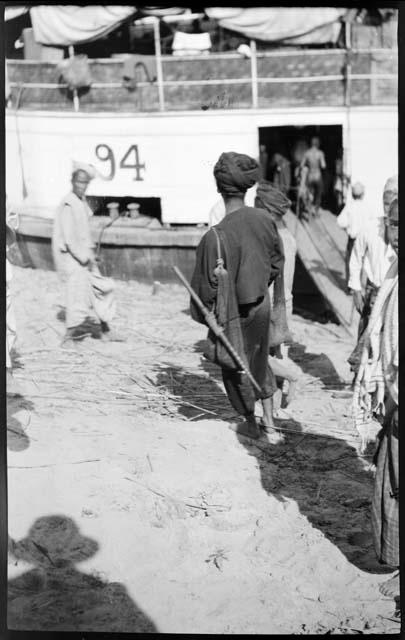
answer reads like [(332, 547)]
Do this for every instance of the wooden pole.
[(348, 43), (159, 70), (253, 70), (76, 102)]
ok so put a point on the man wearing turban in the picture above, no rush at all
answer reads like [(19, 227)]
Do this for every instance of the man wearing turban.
[(276, 203), (373, 254), (247, 244), (73, 252)]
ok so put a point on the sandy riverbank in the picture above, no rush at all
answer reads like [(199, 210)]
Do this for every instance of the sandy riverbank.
[(133, 506)]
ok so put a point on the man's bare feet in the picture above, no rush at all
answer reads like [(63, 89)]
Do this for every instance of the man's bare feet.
[(390, 588), (274, 436)]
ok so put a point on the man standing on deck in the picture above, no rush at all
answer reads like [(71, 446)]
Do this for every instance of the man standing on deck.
[(75, 261), (373, 253), (314, 159)]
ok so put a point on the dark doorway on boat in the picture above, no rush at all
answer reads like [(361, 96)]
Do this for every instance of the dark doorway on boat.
[(291, 143), (147, 206)]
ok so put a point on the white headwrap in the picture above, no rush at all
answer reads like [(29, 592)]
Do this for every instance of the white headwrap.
[(84, 166)]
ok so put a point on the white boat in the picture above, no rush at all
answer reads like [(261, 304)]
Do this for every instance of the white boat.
[(157, 145)]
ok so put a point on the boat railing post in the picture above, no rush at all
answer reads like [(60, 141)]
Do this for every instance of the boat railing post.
[(253, 71), (348, 72), (76, 102), (159, 69)]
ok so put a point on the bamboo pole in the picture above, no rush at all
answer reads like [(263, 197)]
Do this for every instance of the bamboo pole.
[(159, 69)]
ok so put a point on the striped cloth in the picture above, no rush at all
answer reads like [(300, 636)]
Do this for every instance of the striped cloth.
[(376, 391), (378, 369), (384, 509)]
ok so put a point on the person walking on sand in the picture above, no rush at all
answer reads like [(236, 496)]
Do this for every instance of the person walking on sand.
[(372, 253), (376, 391), (73, 252), (247, 244), (314, 159), (277, 204)]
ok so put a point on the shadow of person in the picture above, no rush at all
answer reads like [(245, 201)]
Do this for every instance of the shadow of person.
[(322, 474), (198, 396), (18, 418), (318, 365), (327, 480), (54, 595)]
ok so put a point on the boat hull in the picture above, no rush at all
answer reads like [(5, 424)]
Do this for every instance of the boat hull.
[(127, 253)]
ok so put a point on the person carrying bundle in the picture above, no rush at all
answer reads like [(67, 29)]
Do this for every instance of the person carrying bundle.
[(236, 262)]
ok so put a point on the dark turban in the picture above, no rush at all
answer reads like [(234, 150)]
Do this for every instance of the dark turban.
[(272, 199), (235, 173)]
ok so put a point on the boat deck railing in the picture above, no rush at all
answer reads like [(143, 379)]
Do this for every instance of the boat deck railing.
[(315, 76)]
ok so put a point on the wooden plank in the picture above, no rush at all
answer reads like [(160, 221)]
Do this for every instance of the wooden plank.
[(327, 248), (338, 235), (314, 250)]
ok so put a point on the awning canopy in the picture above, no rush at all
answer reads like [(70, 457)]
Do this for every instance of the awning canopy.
[(292, 25), (15, 12), (63, 25)]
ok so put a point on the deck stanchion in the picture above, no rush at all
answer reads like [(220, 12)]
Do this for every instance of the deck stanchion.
[(348, 89), (159, 70), (253, 69), (76, 102)]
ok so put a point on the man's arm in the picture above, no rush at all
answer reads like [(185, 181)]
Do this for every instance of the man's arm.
[(276, 254), (304, 160), (82, 254), (343, 218), (204, 281), (322, 160), (355, 266)]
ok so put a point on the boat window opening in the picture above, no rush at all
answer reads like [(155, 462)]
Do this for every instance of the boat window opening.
[(147, 206), (291, 141)]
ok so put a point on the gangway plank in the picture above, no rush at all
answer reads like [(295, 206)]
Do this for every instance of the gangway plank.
[(321, 246)]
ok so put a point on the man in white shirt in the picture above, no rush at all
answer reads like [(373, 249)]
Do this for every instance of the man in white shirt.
[(372, 253), (75, 261), (354, 216)]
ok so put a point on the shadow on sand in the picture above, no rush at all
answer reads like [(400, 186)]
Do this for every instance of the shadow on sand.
[(323, 474), (18, 418), (54, 595)]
